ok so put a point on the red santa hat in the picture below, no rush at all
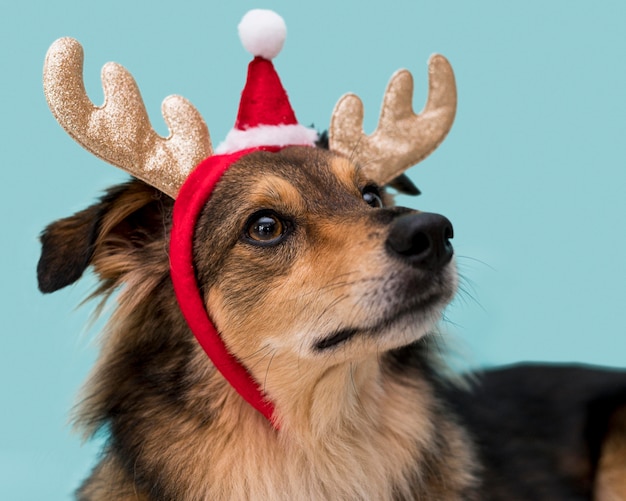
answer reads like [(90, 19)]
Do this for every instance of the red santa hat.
[(265, 116), (265, 122)]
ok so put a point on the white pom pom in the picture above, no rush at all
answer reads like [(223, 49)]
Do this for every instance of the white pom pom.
[(262, 33)]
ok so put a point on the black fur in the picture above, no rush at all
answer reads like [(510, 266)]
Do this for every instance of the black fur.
[(73, 248), (539, 428)]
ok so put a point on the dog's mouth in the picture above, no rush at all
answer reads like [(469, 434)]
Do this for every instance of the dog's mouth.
[(337, 338), (401, 315)]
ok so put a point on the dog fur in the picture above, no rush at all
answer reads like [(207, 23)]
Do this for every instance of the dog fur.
[(338, 332)]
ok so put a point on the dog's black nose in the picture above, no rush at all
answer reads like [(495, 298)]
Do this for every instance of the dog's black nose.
[(422, 239)]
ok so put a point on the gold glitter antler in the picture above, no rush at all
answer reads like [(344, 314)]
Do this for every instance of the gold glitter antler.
[(119, 131), (402, 138)]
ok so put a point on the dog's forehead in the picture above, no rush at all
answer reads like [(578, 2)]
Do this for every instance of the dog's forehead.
[(273, 190), (303, 177)]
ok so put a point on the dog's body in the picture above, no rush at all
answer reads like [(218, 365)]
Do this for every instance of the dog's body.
[(313, 287)]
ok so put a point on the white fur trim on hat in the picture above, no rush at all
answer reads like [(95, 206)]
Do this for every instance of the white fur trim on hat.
[(267, 135)]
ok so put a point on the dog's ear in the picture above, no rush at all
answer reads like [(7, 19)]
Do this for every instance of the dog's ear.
[(125, 220)]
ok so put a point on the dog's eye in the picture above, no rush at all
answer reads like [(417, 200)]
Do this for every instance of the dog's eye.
[(372, 197), (265, 228)]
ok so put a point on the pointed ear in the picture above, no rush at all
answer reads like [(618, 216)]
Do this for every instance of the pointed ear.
[(125, 219), (404, 185)]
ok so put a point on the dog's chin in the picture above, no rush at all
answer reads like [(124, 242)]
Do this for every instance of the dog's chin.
[(401, 325)]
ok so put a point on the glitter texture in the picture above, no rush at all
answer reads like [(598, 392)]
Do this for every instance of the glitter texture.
[(402, 138), (120, 132)]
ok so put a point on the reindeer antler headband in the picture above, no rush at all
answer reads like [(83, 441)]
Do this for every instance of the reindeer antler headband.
[(184, 166)]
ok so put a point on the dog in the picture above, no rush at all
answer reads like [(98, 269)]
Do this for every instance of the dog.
[(329, 295)]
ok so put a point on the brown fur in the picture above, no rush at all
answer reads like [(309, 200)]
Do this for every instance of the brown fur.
[(611, 481), (356, 422)]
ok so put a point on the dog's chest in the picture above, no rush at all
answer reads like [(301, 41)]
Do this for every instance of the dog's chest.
[(402, 456)]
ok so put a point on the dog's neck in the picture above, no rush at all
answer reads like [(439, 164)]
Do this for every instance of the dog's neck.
[(319, 398), (371, 429), (355, 428), (321, 402)]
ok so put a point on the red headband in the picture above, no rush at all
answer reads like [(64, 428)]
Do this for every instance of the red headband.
[(192, 197), (265, 122)]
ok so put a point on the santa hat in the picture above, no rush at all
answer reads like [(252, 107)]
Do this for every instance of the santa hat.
[(265, 122), (265, 116)]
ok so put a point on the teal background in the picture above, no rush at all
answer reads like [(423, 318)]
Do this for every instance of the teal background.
[(533, 174)]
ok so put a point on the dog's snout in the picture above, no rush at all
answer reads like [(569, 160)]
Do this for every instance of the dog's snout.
[(422, 239)]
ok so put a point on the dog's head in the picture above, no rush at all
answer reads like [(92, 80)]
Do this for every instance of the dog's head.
[(302, 263), (296, 252)]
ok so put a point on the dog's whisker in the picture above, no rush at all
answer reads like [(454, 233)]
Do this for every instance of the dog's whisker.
[(253, 360), (260, 350), (476, 260), (329, 307), (446, 319), (468, 287), (356, 391), (267, 370), (465, 294)]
